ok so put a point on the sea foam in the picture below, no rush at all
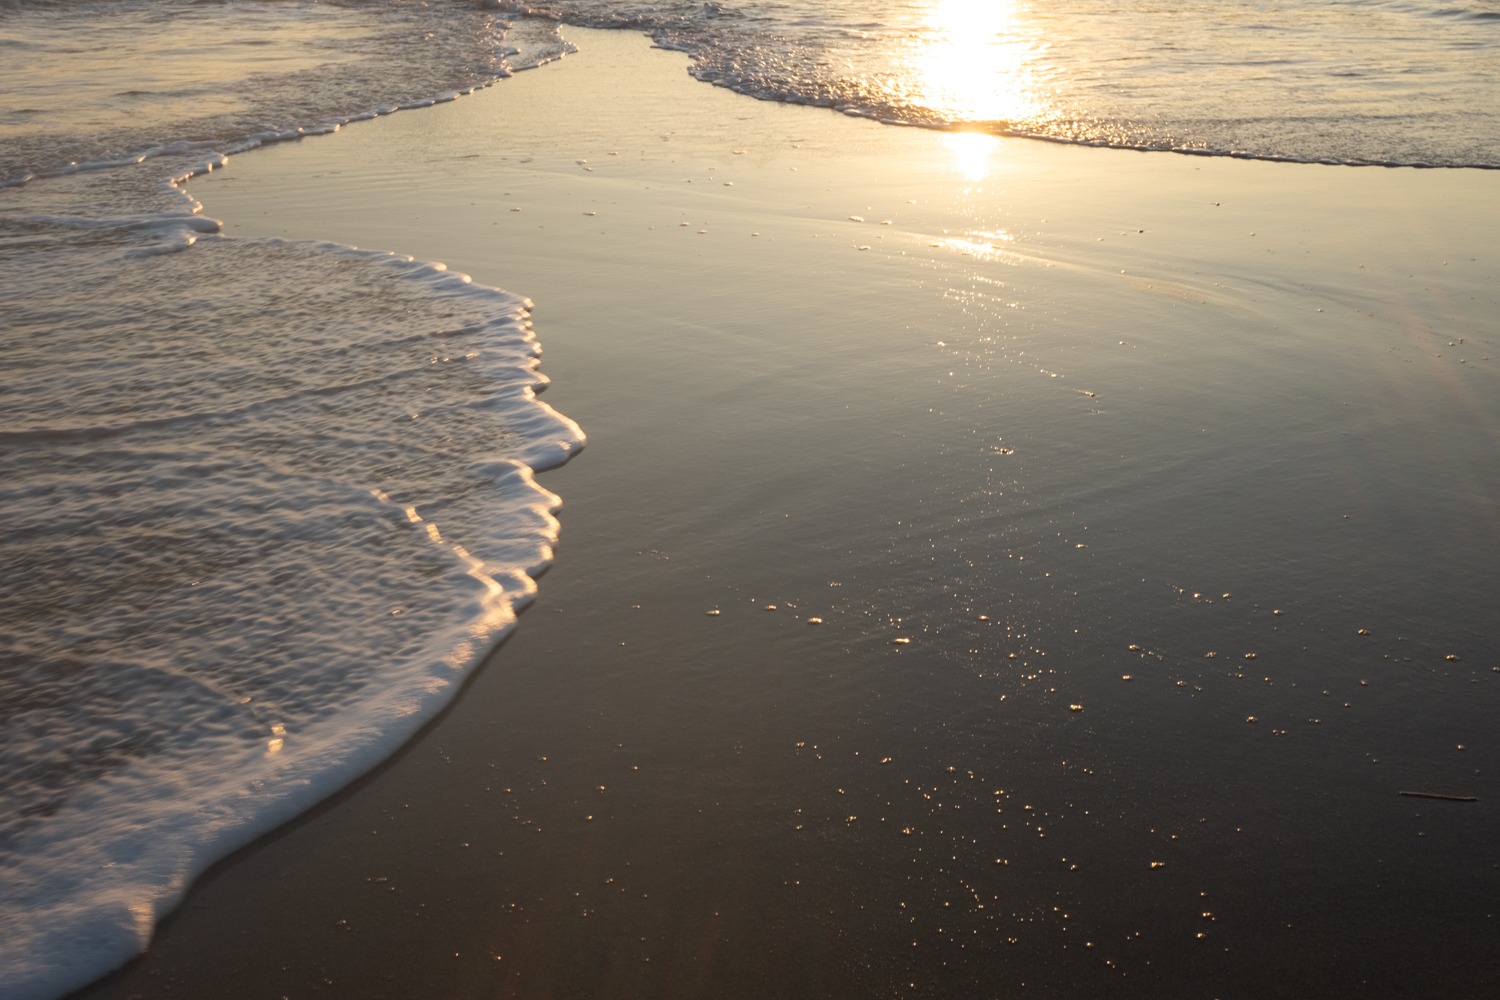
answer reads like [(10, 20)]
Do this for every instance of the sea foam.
[(258, 529), (266, 503)]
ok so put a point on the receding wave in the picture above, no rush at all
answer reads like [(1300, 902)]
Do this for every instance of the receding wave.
[(334, 62), (256, 532), (266, 502), (1389, 83)]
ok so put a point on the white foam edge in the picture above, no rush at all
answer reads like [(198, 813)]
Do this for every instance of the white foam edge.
[(549, 437), (60, 949), (58, 952)]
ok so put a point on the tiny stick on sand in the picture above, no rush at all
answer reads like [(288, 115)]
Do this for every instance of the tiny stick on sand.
[(1445, 798)]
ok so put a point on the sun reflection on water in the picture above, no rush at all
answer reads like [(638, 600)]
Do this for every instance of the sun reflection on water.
[(984, 245), (977, 61)]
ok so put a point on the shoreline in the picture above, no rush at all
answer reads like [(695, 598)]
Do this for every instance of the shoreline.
[(638, 797)]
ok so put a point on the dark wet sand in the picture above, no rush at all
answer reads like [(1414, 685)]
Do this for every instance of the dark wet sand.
[(1038, 429)]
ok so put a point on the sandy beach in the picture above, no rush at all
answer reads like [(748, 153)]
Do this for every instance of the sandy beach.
[(997, 568)]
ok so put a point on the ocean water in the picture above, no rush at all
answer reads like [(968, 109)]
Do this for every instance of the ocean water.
[(266, 503), (1340, 81), (269, 501)]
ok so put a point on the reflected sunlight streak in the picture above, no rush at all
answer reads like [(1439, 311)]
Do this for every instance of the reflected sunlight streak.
[(980, 246)]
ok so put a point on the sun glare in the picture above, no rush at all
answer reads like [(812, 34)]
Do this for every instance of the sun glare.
[(976, 63), (971, 152)]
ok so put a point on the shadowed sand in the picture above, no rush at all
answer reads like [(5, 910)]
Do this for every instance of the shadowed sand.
[(994, 563)]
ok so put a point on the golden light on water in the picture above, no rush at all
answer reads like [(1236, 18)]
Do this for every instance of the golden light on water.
[(982, 244), (976, 62)]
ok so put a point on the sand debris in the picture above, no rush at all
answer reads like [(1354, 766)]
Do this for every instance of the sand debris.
[(1440, 796)]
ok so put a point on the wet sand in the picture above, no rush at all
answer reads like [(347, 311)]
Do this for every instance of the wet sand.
[(997, 569)]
